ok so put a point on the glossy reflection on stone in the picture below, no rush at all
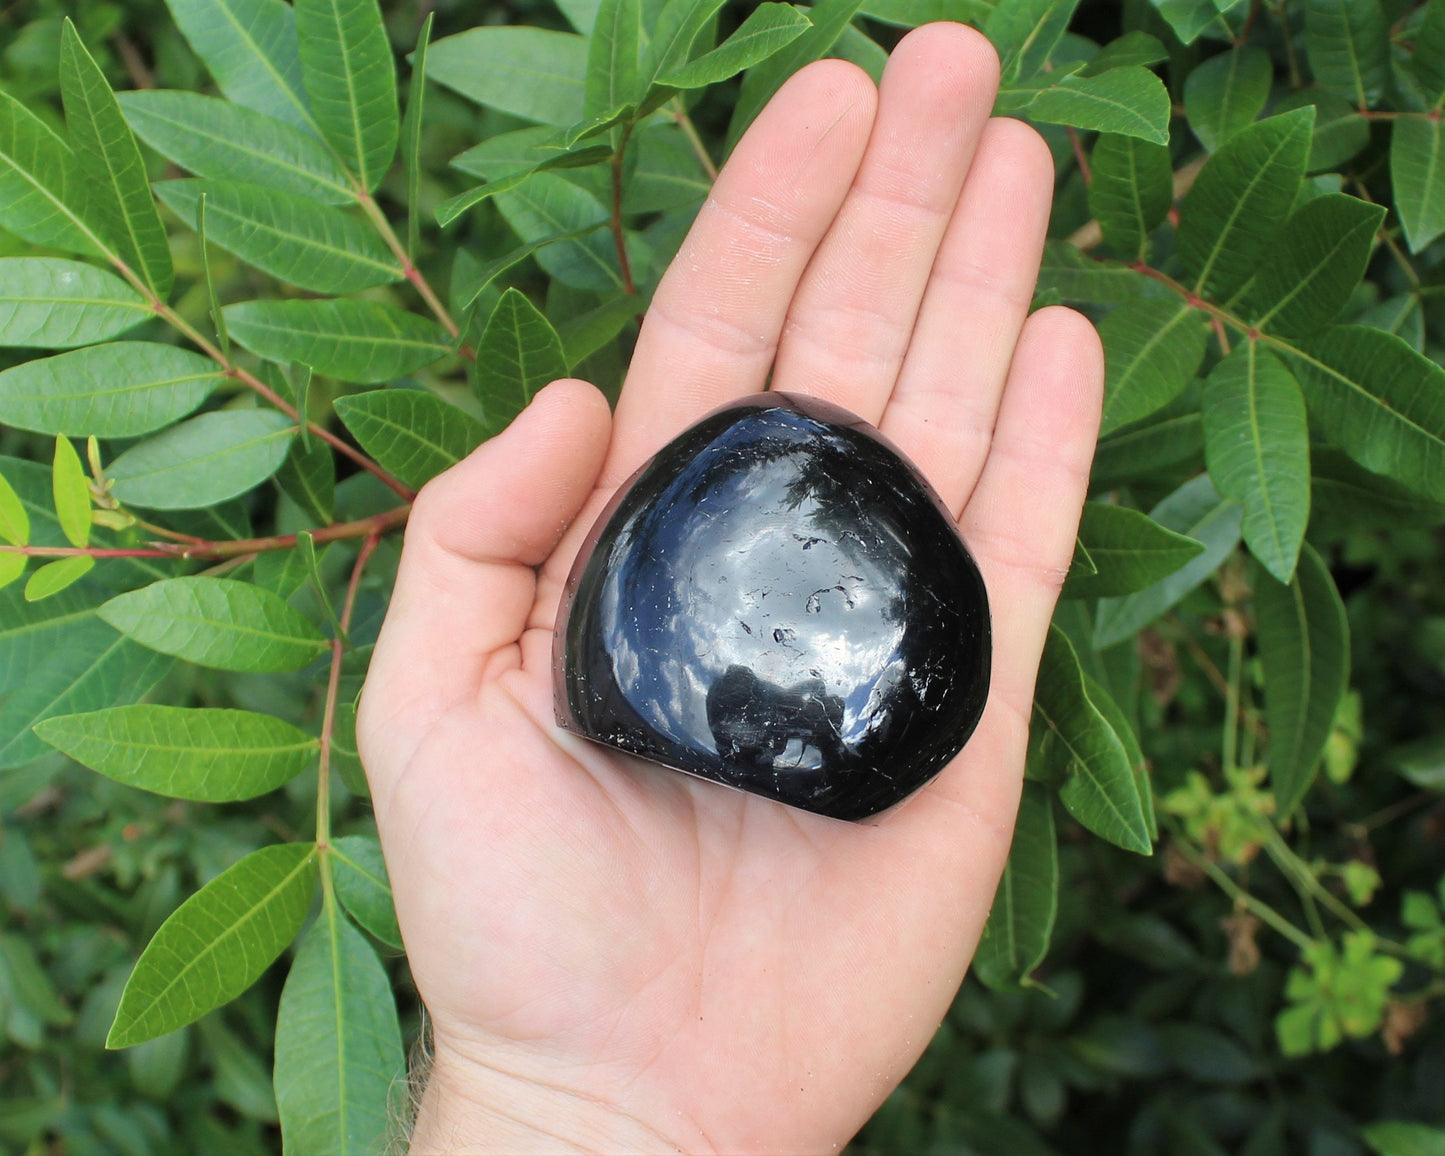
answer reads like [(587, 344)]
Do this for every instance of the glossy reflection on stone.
[(778, 602)]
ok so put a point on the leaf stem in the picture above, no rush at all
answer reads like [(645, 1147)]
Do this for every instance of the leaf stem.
[(1240, 896), (333, 686), (1080, 156), (202, 550), (619, 238), (254, 383), (689, 130), (413, 274), (1231, 702)]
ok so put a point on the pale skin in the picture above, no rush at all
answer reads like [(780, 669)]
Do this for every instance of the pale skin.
[(619, 958)]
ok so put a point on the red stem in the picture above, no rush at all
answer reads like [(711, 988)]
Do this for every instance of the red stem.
[(372, 527)]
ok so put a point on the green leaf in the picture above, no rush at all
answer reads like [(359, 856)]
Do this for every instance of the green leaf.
[(1131, 48), (454, 207), (1304, 647), (1026, 32), (1099, 787), (666, 174), (12, 565), (1192, 18), (1226, 93), (491, 270), (1130, 552), (518, 354), (1428, 59), (56, 576), (204, 460), (671, 40), (229, 142), (309, 245), (1257, 444), (217, 943), (585, 334), (308, 477), (1417, 168), (830, 18), (1196, 510), (88, 667), (41, 187), (1240, 199), (250, 47), (208, 755), (1130, 101), (71, 489), (1404, 1138), (350, 80), (1307, 276), (1114, 715), (1344, 496), (361, 341), (359, 871), (118, 192), (612, 56), (340, 1069), (1151, 350), (547, 207), (1021, 922), (1131, 191), (238, 1075), (411, 135), (117, 390), (533, 73), (1340, 131), (1401, 315), (1076, 276), (768, 29), (26, 983), (52, 303), (1379, 401), (912, 13), (217, 622), (14, 521), (1348, 47), (413, 435)]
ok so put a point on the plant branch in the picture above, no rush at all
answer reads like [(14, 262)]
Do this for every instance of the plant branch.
[(333, 686), (619, 237), (254, 383), (1240, 896), (689, 130), (202, 550), (413, 274)]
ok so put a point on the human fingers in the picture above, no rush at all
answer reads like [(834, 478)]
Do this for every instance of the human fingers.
[(466, 581), (943, 406), (853, 315), (713, 325), (1020, 524)]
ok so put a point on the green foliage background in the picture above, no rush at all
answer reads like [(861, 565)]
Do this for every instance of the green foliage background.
[(1223, 924)]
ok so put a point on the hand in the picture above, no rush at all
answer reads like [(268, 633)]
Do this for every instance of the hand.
[(617, 957)]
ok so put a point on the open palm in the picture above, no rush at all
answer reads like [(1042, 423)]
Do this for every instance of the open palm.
[(617, 957)]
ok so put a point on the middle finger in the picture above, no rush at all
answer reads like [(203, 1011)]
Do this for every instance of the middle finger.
[(853, 314)]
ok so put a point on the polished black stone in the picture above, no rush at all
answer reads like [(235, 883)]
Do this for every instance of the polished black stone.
[(777, 601)]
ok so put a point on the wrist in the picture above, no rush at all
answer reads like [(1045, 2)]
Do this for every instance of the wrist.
[(477, 1104)]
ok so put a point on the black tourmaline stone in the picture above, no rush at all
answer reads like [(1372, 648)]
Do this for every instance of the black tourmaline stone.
[(777, 601)]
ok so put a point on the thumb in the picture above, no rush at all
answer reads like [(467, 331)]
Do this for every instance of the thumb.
[(467, 581)]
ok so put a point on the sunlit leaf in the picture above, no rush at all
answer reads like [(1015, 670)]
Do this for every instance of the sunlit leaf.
[(118, 390), (217, 943), (208, 755), (217, 622)]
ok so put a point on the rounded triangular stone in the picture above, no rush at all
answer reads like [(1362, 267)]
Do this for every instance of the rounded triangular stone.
[(777, 601)]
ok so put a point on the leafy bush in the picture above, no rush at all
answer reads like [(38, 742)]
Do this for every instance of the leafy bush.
[(242, 329)]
